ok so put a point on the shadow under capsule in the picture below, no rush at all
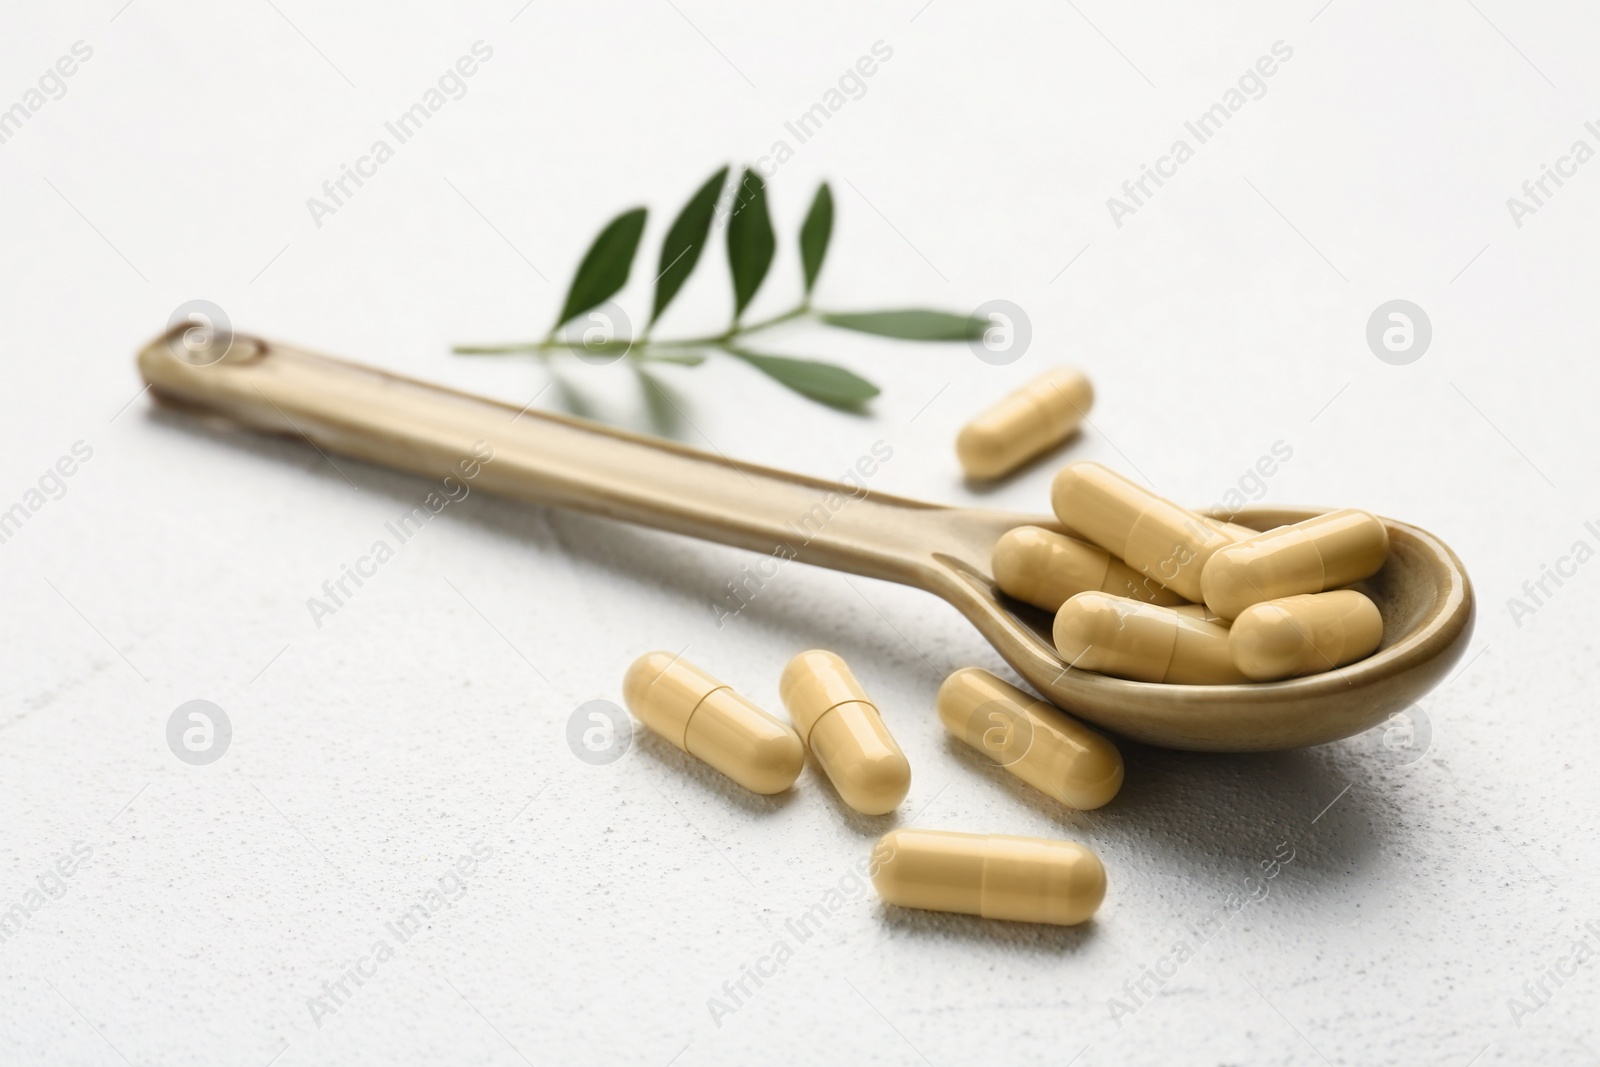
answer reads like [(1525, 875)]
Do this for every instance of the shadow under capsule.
[(1214, 819), (705, 779), (1043, 938), (1218, 818), (1072, 822)]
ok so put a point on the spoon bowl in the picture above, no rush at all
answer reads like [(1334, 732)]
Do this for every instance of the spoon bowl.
[(1422, 592), (346, 408)]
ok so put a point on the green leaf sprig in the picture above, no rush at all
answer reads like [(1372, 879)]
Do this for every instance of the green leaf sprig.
[(751, 245)]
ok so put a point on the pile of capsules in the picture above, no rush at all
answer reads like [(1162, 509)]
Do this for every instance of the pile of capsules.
[(1154, 593), (1158, 593)]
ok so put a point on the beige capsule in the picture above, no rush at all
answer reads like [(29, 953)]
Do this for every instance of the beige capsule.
[(1323, 552), (1201, 612), (1034, 740), (844, 731), (1157, 538), (1143, 642), (1234, 531), (995, 876), (1025, 424), (1044, 568), (1305, 634), (710, 721)]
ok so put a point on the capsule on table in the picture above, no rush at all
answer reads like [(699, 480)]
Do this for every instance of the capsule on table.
[(1143, 642), (1056, 754), (995, 876), (1320, 553), (1045, 568), (844, 731), (710, 721), (1027, 423), (1305, 634), (1157, 538)]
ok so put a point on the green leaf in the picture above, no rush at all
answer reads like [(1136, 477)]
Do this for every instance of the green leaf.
[(910, 324), (604, 269), (814, 234), (826, 383), (680, 249), (750, 240), (682, 359)]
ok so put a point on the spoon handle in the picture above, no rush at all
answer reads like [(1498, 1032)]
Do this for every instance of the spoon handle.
[(345, 408)]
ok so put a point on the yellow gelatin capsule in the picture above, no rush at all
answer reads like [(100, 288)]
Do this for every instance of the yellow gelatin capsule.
[(1143, 642), (996, 876), (1045, 568), (1057, 755), (1163, 542), (1320, 553), (845, 732), (1027, 423), (710, 721), (1234, 531), (1304, 634)]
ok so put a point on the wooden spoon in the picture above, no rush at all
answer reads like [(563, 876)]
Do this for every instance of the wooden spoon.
[(342, 407)]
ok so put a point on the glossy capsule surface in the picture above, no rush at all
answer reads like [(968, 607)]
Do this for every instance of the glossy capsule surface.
[(708, 720), (1143, 642), (996, 876), (1160, 540), (1025, 424), (1305, 634), (1044, 568), (1034, 740), (1322, 552), (844, 731)]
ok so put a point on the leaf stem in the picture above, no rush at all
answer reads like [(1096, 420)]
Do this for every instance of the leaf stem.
[(717, 340), (740, 331)]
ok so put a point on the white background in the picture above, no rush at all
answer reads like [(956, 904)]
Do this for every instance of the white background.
[(428, 716)]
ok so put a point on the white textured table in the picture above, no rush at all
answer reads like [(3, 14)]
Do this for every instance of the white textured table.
[(399, 775)]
